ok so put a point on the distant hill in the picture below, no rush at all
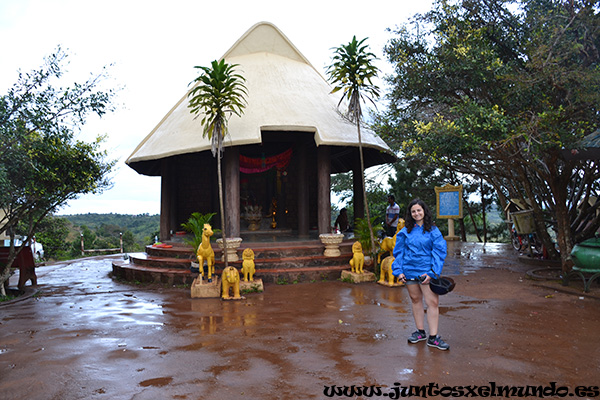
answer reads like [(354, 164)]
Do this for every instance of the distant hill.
[(141, 225)]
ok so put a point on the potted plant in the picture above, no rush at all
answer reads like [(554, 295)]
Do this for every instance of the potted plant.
[(195, 225), (363, 235)]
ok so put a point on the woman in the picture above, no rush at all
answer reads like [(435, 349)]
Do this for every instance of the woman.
[(419, 253), (341, 222)]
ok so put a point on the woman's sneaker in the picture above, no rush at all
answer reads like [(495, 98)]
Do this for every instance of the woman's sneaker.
[(417, 337), (438, 342)]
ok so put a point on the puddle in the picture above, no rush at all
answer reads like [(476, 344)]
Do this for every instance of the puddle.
[(406, 371), (369, 338), (159, 382)]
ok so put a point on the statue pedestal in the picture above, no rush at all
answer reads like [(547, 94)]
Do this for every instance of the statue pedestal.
[(332, 243), (203, 289), (358, 278), (232, 245), (251, 286)]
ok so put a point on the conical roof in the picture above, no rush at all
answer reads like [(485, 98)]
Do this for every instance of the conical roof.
[(285, 94)]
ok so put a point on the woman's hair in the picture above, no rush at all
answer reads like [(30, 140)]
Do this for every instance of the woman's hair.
[(410, 221)]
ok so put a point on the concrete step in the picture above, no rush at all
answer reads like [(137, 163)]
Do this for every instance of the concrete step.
[(274, 262), (145, 260), (177, 276), (261, 250)]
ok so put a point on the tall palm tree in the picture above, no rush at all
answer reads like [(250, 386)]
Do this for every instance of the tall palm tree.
[(218, 93), (352, 71)]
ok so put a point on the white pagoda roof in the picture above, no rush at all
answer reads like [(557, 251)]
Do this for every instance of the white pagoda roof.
[(285, 94)]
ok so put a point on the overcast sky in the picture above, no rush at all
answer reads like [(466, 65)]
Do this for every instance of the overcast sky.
[(154, 45)]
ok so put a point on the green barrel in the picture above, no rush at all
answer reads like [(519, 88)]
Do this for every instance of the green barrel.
[(586, 255)]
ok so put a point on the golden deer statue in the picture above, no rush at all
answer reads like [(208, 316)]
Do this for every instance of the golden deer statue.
[(205, 252)]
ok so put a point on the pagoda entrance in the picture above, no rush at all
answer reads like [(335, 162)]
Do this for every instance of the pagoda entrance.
[(264, 188)]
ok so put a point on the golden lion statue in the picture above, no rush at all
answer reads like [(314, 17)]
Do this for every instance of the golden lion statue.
[(386, 272), (248, 268), (358, 259), (388, 243), (231, 279)]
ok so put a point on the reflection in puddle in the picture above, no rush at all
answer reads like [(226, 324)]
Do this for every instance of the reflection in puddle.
[(405, 371), (370, 338), (465, 305), (158, 382), (129, 310)]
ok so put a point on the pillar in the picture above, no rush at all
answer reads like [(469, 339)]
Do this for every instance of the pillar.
[(302, 193), (231, 181), (166, 199), (323, 189)]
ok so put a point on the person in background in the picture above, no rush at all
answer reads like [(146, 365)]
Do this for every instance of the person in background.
[(341, 222), (419, 254), (392, 213)]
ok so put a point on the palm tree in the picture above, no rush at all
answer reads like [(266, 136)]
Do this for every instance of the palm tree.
[(218, 93), (352, 71)]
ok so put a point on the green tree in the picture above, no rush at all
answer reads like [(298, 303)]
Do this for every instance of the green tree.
[(129, 243), (218, 93), (505, 91), (42, 164), (352, 71), (53, 233)]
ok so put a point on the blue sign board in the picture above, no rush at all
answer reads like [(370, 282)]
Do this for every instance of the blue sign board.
[(449, 201)]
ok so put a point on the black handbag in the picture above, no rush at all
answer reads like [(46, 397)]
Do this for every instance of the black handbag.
[(441, 284)]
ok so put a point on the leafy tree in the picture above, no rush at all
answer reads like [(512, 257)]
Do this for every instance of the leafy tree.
[(53, 233), (341, 184), (129, 242), (218, 93), (413, 178), (506, 91), (144, 227), (89, 238), (42, 164), (352, 71)]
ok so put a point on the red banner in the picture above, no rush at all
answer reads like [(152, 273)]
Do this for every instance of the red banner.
[(256, 165)]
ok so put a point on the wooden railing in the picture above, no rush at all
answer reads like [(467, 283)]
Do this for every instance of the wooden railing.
[(113, 250)]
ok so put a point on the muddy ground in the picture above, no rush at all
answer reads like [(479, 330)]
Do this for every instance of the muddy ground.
[(86, 336)]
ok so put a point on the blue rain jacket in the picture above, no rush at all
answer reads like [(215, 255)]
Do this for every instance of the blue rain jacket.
[(417, 252)]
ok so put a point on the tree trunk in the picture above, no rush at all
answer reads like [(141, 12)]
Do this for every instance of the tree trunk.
[(3, 278), (564, 233), (12, 256), (483, 215), (473, 220), (364, 187), (557, 191), (463, 233), (223, 216)]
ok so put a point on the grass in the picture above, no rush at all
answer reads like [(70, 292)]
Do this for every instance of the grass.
[(253, 289), (8, 297)]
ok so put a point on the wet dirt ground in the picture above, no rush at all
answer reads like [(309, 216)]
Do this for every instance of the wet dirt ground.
[(86, 336)]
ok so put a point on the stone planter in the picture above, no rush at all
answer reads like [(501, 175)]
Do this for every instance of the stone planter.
[(332, 243), (232, 245)]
